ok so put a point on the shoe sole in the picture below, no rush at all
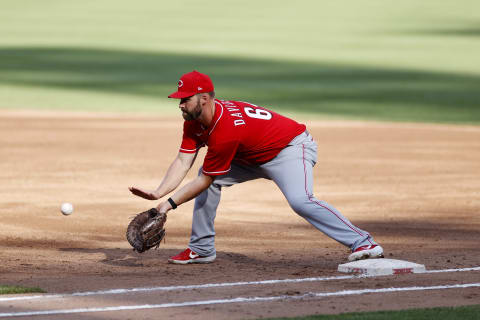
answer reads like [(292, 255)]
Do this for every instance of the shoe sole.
[(191, 261), (374, 253)]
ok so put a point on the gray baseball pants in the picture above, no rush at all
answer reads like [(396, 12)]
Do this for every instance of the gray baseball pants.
[(292, 172)]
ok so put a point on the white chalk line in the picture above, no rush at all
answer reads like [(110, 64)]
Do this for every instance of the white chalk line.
[(210, 285), (310, 295)]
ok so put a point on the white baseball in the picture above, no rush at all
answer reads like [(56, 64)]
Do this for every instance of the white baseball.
[(67, 208)]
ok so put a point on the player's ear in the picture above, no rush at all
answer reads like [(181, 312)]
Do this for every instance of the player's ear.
[(204, 97)]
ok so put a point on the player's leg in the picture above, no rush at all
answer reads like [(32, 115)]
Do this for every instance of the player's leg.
[(202, 239), (292, 170)]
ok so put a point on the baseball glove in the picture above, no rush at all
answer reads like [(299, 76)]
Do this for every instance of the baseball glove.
[(146, 230)]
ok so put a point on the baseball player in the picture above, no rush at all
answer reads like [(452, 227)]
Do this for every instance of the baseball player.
[(245, 142)]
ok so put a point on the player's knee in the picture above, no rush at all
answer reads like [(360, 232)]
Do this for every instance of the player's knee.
[(299, 204)]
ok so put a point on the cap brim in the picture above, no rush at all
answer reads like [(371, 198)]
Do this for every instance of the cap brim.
[(181, 95)]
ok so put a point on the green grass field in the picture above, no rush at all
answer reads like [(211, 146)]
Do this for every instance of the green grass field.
[(18, 290), (383, 59), (457, 313)]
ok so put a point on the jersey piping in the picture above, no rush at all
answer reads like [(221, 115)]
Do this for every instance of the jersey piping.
[(221, 114), (217, 172)]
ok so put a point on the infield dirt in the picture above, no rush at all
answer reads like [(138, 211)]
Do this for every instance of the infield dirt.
[(414, 187)]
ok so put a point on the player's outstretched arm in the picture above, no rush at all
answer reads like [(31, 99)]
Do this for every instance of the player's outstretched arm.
[(174, 176), (187, 192)]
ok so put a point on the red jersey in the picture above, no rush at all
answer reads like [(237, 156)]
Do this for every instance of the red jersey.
[(241, 132)]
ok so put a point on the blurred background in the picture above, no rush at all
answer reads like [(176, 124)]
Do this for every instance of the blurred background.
[(383, 60)]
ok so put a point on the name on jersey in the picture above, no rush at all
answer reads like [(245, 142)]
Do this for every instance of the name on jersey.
[(234, 112)]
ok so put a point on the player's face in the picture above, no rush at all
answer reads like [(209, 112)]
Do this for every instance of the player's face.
[(190, 107)]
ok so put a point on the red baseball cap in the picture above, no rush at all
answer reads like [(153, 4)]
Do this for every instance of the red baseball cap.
[(192, 83)]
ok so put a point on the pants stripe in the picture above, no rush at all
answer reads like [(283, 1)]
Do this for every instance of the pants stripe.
[(310, 197)]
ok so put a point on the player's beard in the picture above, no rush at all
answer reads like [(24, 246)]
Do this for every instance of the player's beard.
[(194, 114)]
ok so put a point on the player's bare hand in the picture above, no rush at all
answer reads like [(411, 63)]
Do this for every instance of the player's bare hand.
[(146, 194)]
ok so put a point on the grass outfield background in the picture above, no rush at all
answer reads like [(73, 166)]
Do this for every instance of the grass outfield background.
[(382, 59)]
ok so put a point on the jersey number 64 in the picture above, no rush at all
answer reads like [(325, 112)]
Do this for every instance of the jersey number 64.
[(257, 113)]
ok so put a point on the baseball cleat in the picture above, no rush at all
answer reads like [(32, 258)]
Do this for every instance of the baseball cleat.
[(188, 256), (366, 252)]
